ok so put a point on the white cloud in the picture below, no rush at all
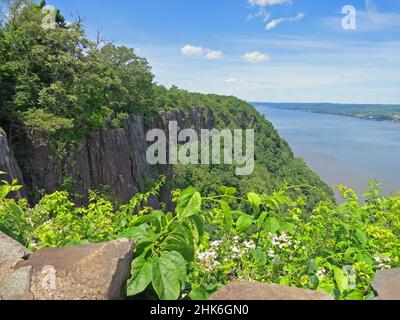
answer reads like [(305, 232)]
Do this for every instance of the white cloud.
[(231, 80), (190, 50), (261, 14), (256, 57), (275, 22), (214, 54), (264, 3)]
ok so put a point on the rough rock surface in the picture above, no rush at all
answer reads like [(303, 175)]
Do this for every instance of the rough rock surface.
[(387, 284), (8, 163), (112, 158), (88, 272), (248, 291), (115, 159), (14, 285), (11, 250)]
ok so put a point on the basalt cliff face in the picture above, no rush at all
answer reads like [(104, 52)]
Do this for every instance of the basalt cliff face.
[(111, 160), (8, 163)]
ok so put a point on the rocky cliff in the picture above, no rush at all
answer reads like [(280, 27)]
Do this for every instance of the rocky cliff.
[(8, 163), (111, 160)]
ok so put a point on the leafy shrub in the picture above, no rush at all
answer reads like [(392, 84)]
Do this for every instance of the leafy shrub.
[(210, 241)]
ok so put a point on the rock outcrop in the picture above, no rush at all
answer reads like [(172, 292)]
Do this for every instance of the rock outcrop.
[(8, 163), (14, 284), (250, 291), (87, 272), (387, 284), (114, 159), (11, 250)]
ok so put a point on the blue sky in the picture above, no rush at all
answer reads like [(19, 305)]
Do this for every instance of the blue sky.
[(258, 50)]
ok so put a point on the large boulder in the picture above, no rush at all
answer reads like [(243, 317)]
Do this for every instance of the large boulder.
[(387, 284), (249, 291), (87, 272), (14, 284), (11, 250)]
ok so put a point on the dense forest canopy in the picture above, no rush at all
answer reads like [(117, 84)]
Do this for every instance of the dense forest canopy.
[(58, 79)]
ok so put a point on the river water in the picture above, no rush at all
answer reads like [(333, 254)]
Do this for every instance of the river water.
[(342, 150)]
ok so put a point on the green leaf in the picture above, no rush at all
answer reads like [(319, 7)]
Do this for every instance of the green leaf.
[(177, 259), (284, 281), (289, 228), (260, 257), (244, 223), (139, 234), (142, 275), (261, 220), (254, 199), (199, 294), (169, 273), (189, 204), (365, 257), (228, 219), (197, 227), (272, 225), (355, 294), (228, 191), (314, 281), (341, 280), (362, 238), (311, 266), (180, 239)]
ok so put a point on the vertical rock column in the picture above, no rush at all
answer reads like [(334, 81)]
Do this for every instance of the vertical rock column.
[(8, 163)]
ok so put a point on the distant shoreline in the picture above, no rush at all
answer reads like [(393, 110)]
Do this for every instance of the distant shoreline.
[(380, 113)]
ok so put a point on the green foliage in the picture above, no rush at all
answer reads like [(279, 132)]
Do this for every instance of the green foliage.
[(210, 241), (13, 218), (58, 74), (47, 121)]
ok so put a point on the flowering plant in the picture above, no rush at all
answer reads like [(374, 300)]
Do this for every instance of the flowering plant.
[(208, 242)]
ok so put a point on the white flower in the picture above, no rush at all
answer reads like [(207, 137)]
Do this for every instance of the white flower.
[(235, 249), (249, 245), (271, 253), (321, 273), (216, 244), (208, 260), (383, 263)]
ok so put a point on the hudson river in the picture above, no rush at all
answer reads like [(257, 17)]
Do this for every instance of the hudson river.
[(342, 150)]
